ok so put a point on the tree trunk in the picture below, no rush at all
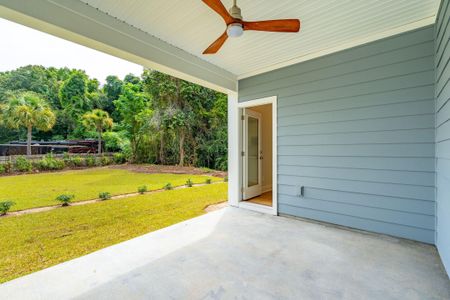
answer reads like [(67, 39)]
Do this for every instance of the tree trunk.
[(161, 149), (99, 142), (29, 129), (181, 147)]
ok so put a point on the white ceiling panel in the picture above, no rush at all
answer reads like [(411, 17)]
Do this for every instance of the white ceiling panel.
[(326, 24)]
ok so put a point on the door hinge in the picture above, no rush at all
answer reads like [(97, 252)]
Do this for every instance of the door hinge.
[(242, 117), (242, 153), (242, 189)]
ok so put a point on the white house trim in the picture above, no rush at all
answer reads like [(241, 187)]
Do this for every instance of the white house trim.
[(85, 25), (235, 163), (234, 144)]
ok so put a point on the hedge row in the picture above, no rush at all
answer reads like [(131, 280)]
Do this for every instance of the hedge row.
[(49, 163)]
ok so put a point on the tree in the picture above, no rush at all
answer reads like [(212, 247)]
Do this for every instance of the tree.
[(98, 120), (133, 108), (27, 110)]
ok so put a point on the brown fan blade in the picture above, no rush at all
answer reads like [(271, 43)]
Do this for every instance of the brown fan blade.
[(214, 47), (287, 25), (218, 7)]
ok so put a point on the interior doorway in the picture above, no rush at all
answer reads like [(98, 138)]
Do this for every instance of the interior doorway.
[(257, 155)]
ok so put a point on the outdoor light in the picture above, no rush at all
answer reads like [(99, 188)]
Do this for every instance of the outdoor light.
[(235, 30)]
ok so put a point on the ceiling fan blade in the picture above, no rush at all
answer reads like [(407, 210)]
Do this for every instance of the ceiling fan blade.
[(287, 25), (218, 7), (217, 44)]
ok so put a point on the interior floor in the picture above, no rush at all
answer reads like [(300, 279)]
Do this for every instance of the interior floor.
[(263, 199)]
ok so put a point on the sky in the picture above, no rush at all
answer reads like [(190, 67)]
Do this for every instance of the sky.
[(21, 46)]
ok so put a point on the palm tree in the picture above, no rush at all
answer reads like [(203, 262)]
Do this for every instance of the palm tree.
[(27, 110), (98, 120)]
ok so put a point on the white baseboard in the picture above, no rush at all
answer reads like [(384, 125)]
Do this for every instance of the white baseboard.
[(266, 188)]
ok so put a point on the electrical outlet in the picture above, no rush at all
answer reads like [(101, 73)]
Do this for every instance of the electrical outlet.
[(301, 191)]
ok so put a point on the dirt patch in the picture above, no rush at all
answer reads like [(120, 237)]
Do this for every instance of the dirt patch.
[(151, 169), (217, 206)]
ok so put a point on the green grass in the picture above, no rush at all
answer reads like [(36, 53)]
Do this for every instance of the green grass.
[(37, 190), (36, 241)]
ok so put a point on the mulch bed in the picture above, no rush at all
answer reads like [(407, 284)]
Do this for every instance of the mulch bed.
[(151, 169)]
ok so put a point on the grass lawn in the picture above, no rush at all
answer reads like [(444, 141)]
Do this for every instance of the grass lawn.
[(36, 241), (36, 190)]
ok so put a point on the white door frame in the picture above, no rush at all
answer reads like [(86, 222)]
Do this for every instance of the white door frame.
[(250, 192), (239, 159)]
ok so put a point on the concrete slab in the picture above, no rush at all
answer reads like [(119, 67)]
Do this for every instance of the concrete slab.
[(234, 253)]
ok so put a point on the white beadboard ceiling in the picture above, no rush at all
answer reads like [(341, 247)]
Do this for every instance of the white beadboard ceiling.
[(326, 25)]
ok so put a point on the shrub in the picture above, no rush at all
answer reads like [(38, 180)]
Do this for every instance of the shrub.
[(225, 179), (2, 169), (105, 160), (168, 186), (8, 166), (50, 163), (208, 181), (23, 165), (65, 199), (5, 206), (189, 183), (90, 161), (77, 161), (119, 158), (142, 189), (104, 195)]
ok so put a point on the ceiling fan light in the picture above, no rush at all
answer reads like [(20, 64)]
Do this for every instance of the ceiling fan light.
[(235, 30)]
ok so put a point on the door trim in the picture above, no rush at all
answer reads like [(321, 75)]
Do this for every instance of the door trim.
[(256, 190), (248, 104)]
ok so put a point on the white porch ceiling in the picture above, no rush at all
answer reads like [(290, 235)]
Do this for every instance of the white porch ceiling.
[(327, 26)]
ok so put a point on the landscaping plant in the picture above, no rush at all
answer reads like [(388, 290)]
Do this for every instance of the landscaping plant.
[(23, 165), (119, 158), (65, 199), (5, 206), (208, 180), (142, 189), (90, 161), (104, 195), (168, 186), (225, 179), (189, 183)]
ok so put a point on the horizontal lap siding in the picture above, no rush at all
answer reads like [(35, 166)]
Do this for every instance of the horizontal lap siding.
[(442, 67), (356, 128)]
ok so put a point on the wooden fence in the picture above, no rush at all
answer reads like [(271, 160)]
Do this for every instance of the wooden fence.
[(35, 157)]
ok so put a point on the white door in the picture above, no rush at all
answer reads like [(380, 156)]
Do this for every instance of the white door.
[(252, 154)]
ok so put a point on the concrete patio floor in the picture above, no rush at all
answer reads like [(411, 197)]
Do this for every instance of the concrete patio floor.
[(234, 253)]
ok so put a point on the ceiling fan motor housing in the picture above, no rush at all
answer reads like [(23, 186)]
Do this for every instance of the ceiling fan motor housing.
[(235, 12)]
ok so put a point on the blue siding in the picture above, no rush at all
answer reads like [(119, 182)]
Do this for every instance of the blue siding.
[(442, 67), (357, 129)]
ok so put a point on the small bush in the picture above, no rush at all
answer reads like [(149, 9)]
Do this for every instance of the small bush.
[(5, 206), (8, 167), (90, 161), (168, 186), (105, 195), (189, 183), (119, 158), (49, 163), (208, 181), (142, 189), (225, 179), (105, 160), (65, 199), (2, 169), (23, 165), (77, 161)]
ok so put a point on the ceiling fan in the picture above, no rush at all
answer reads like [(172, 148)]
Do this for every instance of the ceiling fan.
[(236, 25)]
